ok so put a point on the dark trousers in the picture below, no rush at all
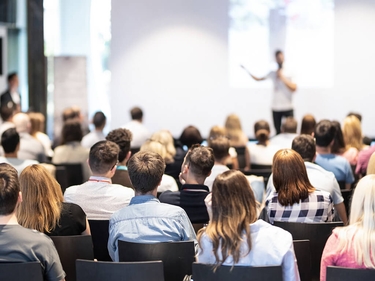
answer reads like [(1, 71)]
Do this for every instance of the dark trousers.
[(278, 116)]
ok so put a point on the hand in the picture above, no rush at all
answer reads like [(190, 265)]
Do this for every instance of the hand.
[(208, 202)]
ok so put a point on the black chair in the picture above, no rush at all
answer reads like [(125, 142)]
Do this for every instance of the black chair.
[(335, 273), (317, 233), (119, 271), (347, 195), (71, 248), (260, 167), (302, 252), (61, 177), (342, 184), (73, 174), (100, 233), (177, 257), (241, 156), (30, 271), (204, 272)]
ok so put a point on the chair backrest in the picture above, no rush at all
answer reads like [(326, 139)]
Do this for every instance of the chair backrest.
[(347, 195), (204, 272), (317, 233), (62, 178), (30, 271), (241, 156), (119, 271), (335, 273), (260, 167), (99, 233), (303, 255), (177, 257), (342, 184), (74, 173), (71, 248)]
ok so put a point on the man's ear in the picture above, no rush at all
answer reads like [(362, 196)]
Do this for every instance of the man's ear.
[(185, 169), (128, 156)]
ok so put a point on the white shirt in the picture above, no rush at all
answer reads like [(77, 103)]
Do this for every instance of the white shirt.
[(282, 95), (283, 140), (5, 126), (262, 154), (99, 198), (216, 170), (18, 164), (139, 131), (167, 183), (92, 138)]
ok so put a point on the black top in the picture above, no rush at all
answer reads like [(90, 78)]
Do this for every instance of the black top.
[(174, 169), (191, 199), (122, 177), (72, 221)]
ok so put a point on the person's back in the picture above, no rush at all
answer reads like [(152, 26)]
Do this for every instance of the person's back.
[(99, 121), (288, 133), (146, 220), (139, 131), (98, 197)]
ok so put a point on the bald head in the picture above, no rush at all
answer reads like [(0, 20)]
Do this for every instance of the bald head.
[(22, 122)]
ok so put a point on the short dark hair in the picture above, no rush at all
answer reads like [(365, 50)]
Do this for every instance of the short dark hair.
[(6, 112), (9, 140), (359, 116), (99, 119), (136, 113), (262, 130), (338, 145), (122, 137), (103, 156), (200, 160), (324, 133), (191, 136), (220, 147), (9, 189), (71, 131), (146, 170), (289, 125), (304, 145), (11, 76), (278, 52)]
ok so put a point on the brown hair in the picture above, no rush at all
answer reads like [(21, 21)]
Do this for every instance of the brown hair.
[(233, 210), (200, 159), (289, 125), (9, 189), (103, 156), (71, 131), (290, 177), (37, 120), (42, 199), (262, 130), (308, 125), (220, 148), (122, 137)]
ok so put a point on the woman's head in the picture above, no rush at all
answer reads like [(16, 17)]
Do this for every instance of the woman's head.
[(352, 132), (71, 131), (42, 199), (191, 136), (165, 138), (290, 177), (155, 146), (37, 120), (308, 125), (233, 127), (262, 130), (338, 145)]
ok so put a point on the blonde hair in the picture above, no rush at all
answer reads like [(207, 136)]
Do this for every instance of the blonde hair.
[(360, 233), (216, 132), (166, 139), (155, 146), (352, 132), (233, 128), (37, 120), (42, 199)]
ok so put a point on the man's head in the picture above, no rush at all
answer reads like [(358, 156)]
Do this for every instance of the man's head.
[(123, 138), (198, 163), (103, 158), (22, 122), (324, 133), (289, 125), (279, 56), (220, 147), (99, 120), (136, 114), (9, 189), (71, 113), (13, 80), (146, 169), (6, 113), (10, 140), (305, 146)]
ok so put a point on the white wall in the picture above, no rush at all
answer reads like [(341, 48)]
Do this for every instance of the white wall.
[(170, 57)]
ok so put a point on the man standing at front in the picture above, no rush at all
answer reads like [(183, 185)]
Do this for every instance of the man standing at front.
[(146, 219)]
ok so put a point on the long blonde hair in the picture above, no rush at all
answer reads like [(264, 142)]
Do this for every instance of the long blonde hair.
[(360, 233), (42, 199), (233, 210), (352, 132), (166, 139), (234, 129)]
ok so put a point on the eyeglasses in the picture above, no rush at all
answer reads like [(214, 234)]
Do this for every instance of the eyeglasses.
[(115, 165)]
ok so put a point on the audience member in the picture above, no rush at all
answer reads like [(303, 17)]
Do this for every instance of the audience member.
[(10, 141), (196, 168), (37, 121), (308, 125), (99, 120), (295, 199), (11, 97), (234, 236), (43, 208), (139, 131), (371, 165), (287, 135), (30, 148), (353, 245), (338, 165), (98, 197), (19, 244), (71, 151), (363, 160), (352, 133), (167, 182), (123, 138), (190, 136), (262, 152), (365, 140), (6, 114), (146, 220), (319, 178), (338, 146), (220, 148)]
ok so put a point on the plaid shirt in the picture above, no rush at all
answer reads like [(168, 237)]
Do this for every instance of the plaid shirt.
[(318, 207)]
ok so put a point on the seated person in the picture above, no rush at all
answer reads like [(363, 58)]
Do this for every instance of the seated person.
[(99, 120), (308, 125), (238, 238), (353, 245), (98, 197), (146, 220), (324, 137), (19, 244), (295, 199), (288, 133), (139, 131), (196, 168)]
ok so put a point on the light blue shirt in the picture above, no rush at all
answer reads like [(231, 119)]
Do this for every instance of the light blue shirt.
[(146, 220), (336, 164), (270, 246)]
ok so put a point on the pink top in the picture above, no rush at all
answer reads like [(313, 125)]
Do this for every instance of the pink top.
[(332, 256), (351, 155)]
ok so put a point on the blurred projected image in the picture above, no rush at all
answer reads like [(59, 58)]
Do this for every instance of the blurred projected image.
[(302, 29)]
